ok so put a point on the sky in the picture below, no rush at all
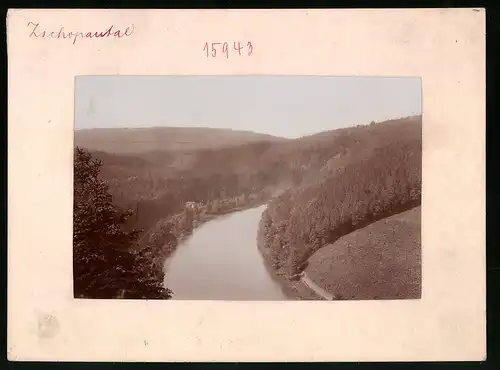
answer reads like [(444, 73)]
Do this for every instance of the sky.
[(286, 106)]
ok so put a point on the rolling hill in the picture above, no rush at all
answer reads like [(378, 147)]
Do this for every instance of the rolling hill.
[(141, 140), (380, 261)]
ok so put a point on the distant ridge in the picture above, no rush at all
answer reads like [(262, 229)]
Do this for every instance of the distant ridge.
[(147, 139)]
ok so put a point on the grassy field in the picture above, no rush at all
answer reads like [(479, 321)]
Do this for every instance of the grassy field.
[(380, 261)]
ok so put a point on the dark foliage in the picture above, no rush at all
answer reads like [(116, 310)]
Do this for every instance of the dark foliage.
[(364, 186), (103, 266)]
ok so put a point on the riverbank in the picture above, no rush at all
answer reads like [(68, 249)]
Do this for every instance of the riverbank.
[(294, 289), (170, 232)]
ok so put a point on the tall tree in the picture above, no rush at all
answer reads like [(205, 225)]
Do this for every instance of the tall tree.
[(103, 263)]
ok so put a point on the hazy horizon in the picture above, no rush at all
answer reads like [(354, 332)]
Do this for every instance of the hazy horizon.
[(283, 106)]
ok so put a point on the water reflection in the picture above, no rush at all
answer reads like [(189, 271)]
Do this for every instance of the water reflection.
[(220, 261)]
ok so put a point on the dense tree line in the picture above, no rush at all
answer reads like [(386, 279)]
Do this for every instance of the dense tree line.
[(382, 179), (103, 265)]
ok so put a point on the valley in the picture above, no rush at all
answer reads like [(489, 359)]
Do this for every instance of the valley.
[(318, 191)]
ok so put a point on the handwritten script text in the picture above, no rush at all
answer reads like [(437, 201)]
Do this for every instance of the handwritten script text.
[(73, 35)]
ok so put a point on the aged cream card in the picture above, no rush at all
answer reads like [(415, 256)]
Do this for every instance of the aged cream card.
[(246, 185)]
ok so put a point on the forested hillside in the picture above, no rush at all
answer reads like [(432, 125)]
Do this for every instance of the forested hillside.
[(157, 183), (376, 175)]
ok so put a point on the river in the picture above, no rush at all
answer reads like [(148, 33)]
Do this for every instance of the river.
[(220, 261)]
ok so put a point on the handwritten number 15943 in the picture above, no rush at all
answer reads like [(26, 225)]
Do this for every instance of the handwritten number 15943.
[(216, 49)]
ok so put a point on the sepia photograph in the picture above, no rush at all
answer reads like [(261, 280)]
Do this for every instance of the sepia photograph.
[(217, 202), (248, 188)]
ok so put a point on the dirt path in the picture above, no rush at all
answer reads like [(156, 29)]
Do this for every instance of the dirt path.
[(315, 288)]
